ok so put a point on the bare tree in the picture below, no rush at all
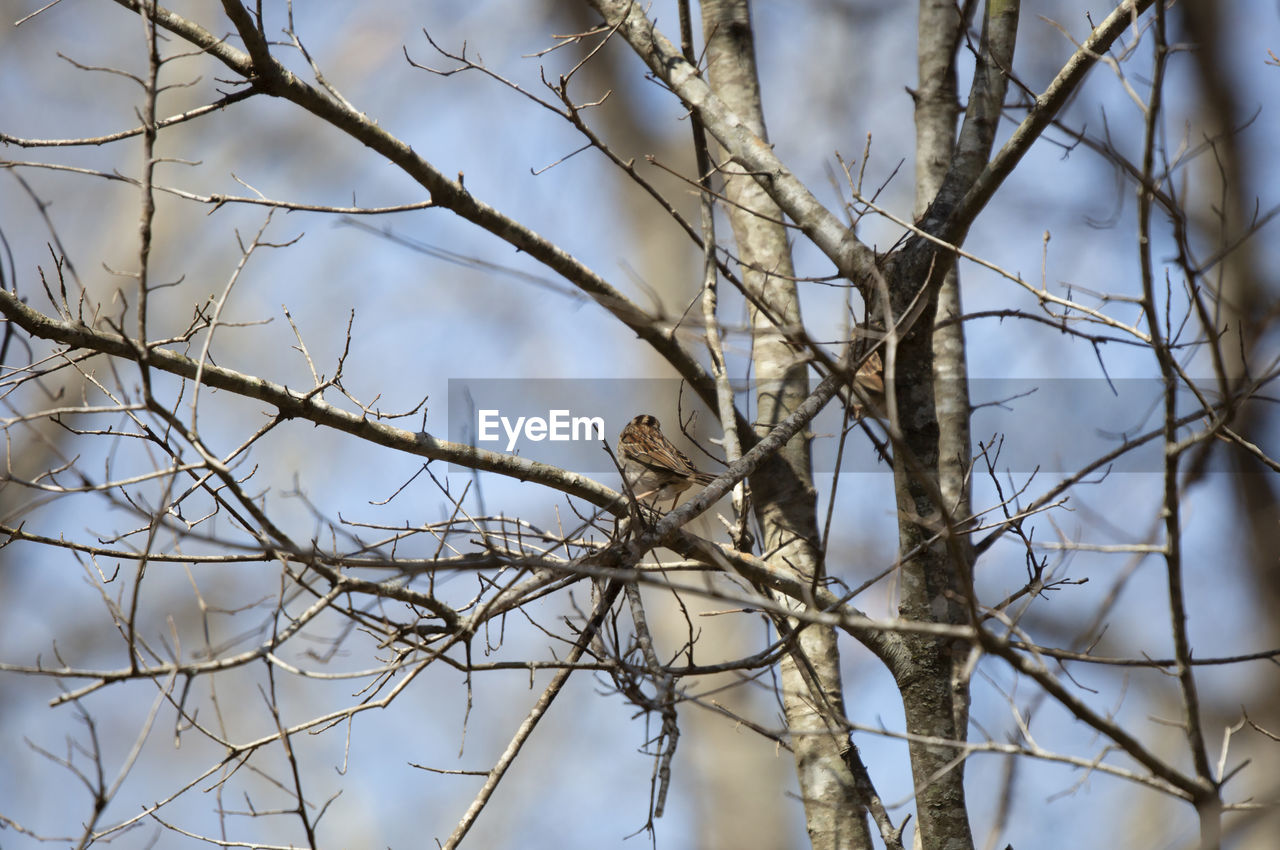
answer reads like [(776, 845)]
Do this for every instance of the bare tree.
[(366, 624)]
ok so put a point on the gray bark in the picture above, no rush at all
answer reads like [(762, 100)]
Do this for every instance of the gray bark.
[(785, 500)]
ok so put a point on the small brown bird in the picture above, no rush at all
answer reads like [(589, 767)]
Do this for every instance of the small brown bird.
[(654, 468), (871, 379)]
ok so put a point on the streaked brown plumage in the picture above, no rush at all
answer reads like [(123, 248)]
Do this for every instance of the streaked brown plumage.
[(654, 468)]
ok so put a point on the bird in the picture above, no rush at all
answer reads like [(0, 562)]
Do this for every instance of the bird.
[(870, 378), (654, 468)]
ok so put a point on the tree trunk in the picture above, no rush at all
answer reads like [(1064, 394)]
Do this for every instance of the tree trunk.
[(785, 501)]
